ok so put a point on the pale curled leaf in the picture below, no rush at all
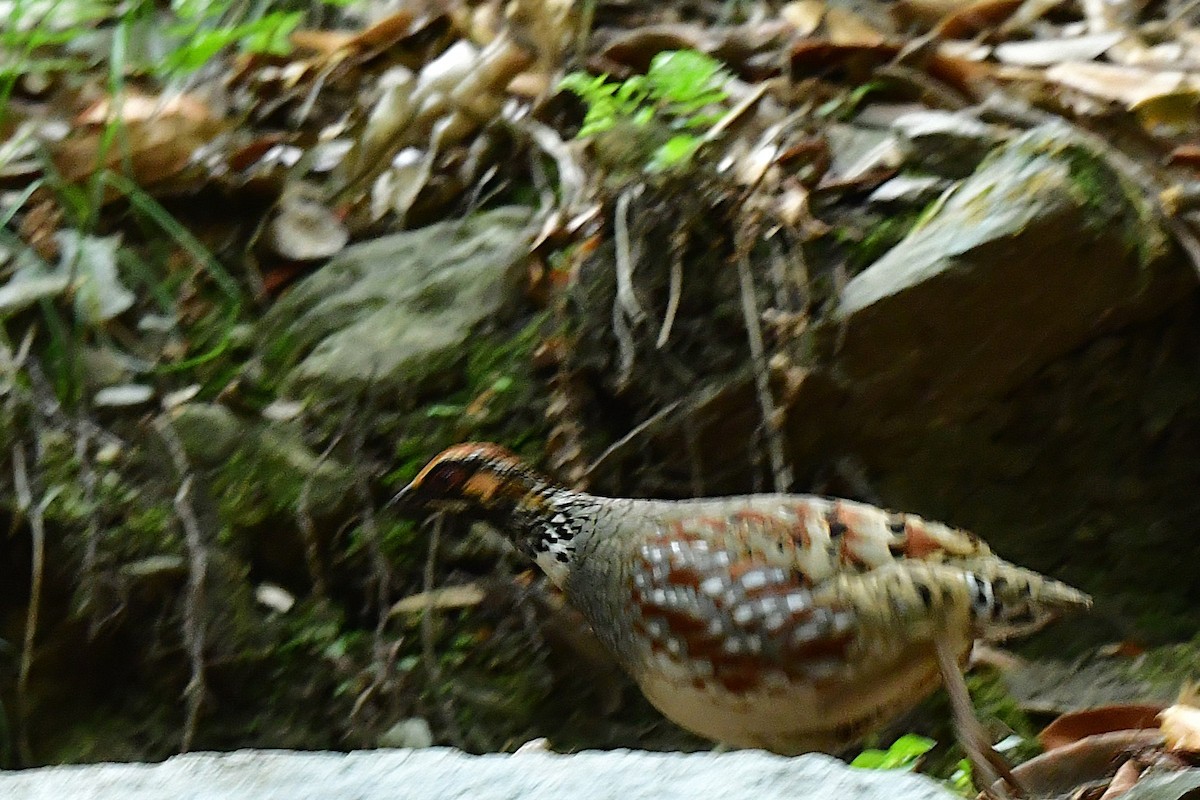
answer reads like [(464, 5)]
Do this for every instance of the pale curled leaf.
[(304, 229), (1044, 52), (1121, 84), (91, 264), (464, 596), (129, 394), (1180, 725)]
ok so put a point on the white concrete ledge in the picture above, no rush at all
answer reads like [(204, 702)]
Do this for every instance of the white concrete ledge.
[(444, 774)]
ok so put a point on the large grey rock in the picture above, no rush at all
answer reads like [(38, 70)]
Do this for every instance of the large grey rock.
[(1040, 250), (393, 311), (441, 774)]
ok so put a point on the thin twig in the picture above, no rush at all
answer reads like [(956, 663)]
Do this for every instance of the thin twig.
[(87, 477), (308, 530), (781, 471), (626, 308), (625, 294), (194, 631), (625, 345), (621, 444), (428, 654), (37, 571), (664, 332)]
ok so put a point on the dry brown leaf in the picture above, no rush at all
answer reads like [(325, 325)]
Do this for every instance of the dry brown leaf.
[(383, 34), (975, 17), (1186, 155), (150, 150), (847, 28), (814, 55), (323, 43), (1125, 779), (923, 14), (530, 85), (803, 15), (137, 107), (1076, 725), (1180, 725), (626, 52), (39, 226)]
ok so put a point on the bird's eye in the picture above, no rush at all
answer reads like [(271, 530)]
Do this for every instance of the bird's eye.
[(446, 479)]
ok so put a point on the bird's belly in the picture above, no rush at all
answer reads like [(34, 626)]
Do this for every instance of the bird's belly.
[(796, 716)]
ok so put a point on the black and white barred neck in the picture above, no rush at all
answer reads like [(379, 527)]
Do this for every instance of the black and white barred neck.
[(552, 530)]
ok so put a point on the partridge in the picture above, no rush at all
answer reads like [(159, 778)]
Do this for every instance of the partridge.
[(786, 622)]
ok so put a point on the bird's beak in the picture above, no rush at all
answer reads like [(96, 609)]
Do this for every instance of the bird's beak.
[(405, 503)]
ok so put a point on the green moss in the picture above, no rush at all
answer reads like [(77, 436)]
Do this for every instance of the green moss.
[(498, 398), (268, 472), (1109, 198), (1171, 667), (881, 238)]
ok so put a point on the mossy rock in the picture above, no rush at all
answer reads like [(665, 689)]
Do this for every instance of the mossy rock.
[(395, 312)]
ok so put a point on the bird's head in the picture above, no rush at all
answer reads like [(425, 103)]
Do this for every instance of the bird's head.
[(476, 479)]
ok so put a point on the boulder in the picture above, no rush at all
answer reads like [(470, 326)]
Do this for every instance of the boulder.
[(395, 311)]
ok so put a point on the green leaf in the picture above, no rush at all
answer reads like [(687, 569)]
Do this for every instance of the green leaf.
[(912, 746), (199, 48), (271, 34), (687, 78), (870, 759), (904, 753), (676, 151), (962, 778)]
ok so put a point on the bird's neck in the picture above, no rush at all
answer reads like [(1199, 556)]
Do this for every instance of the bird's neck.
[(548, 525)]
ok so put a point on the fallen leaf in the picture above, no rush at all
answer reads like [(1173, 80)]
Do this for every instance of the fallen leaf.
[(1044, 52), (1185, 155), (127, 394), (1119, 83), (303, 229), (1125, 779), (1180, 725), (1076, 725), (845, 27), (803, 15), (151, 146), (976, 17), (465, 596)]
